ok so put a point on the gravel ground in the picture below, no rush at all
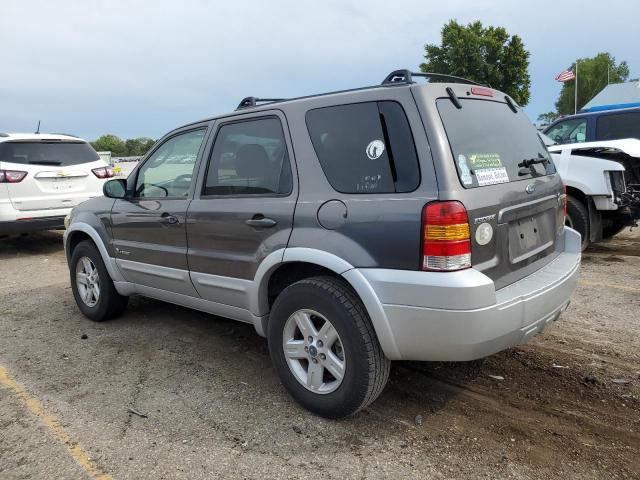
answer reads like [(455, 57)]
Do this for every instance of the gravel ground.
[(568, 405)]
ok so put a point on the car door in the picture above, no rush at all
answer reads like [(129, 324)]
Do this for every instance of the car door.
[(243, 206), (148, 226)]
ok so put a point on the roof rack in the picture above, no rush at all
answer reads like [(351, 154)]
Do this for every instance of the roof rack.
[(253, 101), (405, 77)]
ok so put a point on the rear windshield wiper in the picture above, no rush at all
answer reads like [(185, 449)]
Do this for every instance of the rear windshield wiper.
[(529, 162)]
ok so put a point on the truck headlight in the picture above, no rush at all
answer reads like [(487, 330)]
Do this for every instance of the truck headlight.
[(617, 182)]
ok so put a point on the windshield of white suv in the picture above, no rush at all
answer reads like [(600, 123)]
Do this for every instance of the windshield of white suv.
[(55, 153), (491, 144)]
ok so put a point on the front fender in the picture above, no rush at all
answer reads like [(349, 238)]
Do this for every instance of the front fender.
[(587, 174), (85, 228)]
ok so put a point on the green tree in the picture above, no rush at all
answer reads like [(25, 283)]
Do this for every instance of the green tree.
[(110, 143), (547, 118), (488, 55), (145, 145), (592, 78), (133, 147)]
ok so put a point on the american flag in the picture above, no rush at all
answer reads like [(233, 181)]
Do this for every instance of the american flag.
[(566, 75)]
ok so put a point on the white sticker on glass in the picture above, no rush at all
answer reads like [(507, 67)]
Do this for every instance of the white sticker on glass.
[(375, 149), (491, 176), (465, 172)]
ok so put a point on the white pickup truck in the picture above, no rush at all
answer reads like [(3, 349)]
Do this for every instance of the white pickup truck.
[(602, 179)]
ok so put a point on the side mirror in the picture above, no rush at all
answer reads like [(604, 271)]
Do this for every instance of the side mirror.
[(116, 188)]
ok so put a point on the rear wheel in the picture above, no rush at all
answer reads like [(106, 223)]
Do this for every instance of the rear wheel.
[(92, 286), (325, 349), (578, 219)]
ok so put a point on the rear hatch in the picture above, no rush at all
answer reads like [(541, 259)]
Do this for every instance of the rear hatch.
[(498, 167), (58, 173)]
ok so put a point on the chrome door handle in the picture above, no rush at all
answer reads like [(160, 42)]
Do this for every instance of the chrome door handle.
[(261, 222), (168, 218)]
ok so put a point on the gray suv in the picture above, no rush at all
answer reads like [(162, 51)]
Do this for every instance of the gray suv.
[(402, 221)]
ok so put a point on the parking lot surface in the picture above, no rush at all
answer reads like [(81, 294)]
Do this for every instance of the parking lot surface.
[(165, 392)]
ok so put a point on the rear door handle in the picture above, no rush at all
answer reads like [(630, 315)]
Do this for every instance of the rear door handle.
[(261, 221), (168, 218)]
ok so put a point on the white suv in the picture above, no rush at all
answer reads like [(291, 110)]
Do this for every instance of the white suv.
[(42, 177)]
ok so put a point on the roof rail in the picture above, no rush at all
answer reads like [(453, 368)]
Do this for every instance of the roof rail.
[(253, 101), (405, 77), (2, 134)]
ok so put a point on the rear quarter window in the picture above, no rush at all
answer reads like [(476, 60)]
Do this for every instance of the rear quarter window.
[(490, 143), (365, 147)]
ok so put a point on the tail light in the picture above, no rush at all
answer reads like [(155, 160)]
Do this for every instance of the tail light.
[(103, 172), (446, 244), (12, 176)]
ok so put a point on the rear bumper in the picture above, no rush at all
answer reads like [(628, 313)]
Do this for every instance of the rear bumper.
[(32, 225), (460, 316)]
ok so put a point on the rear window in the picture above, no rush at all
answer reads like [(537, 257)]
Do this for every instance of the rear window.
[(53, 153), (491, 144), (365, 147), (620, 125)]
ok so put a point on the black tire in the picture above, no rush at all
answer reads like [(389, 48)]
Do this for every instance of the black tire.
[(367, 369), (110, 303), (578, 219), (614, 228)]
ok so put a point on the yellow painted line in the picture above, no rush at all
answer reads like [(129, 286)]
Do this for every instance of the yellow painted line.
[(74, 448), (609, 285)]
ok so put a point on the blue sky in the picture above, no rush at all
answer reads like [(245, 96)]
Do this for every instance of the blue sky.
[(142, 68)]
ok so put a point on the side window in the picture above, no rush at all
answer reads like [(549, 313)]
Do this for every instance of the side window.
[(620, 125), (169, 170), (365, 147), (569, 131), (249, 158)]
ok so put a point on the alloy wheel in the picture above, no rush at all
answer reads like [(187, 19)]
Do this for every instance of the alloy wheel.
[(88, 281), (314, 352)]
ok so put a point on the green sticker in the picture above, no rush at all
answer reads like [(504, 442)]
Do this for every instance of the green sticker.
[(485, 160)]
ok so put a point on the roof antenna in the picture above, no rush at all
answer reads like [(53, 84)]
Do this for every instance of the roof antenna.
[(38, 130)]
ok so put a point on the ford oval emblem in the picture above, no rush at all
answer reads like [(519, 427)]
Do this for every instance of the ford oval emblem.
[(530, 188)]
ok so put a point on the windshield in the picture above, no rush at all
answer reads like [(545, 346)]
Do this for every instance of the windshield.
[(491, 144), (548, 141), (54, 153)]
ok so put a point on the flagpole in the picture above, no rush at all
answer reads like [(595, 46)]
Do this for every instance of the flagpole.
[(575, 100)]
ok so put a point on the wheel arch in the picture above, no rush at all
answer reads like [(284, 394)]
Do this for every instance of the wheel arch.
[(286, 266), (79, 231)]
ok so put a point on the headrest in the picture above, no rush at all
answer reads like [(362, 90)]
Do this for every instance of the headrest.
[(252, 161)]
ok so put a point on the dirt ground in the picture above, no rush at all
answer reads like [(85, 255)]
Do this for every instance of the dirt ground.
[(568, 405)]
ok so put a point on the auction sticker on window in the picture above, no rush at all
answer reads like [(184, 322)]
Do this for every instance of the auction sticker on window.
[(491, 176), (485, 160)]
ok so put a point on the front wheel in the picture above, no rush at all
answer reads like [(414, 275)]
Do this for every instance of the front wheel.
[(92, 286), (325, 349), (615, 227), (578, 219)]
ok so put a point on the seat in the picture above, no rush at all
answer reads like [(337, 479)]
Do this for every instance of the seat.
[(254, 165)]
